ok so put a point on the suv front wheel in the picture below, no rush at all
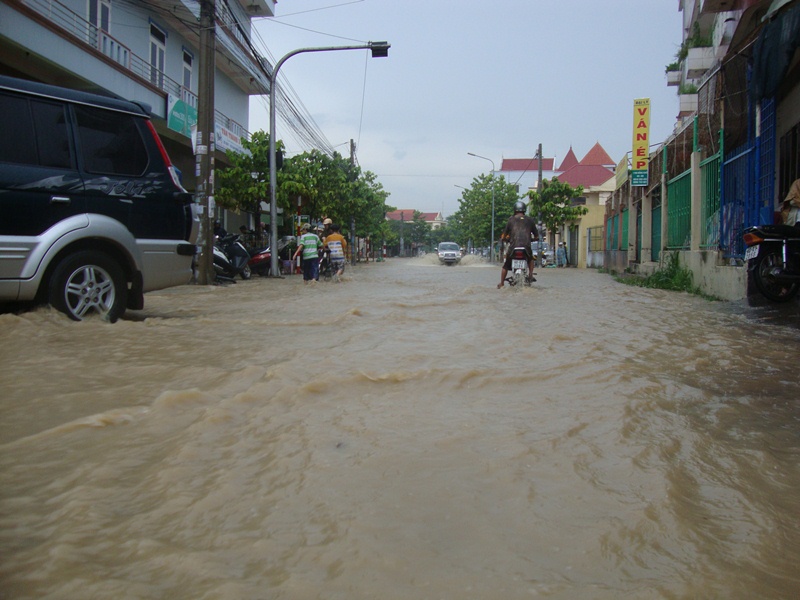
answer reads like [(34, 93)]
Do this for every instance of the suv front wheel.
[(89, 282)]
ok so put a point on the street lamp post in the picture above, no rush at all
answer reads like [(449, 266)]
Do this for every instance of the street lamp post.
[(539, 191), (491, 248), (470, 244), (379, 50)]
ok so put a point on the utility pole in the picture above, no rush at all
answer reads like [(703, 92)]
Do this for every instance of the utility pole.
[(539, 189), (353, 217), (402, 249), (204, 142)]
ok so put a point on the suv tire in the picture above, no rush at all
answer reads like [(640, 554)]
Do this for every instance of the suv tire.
[(89, 282)]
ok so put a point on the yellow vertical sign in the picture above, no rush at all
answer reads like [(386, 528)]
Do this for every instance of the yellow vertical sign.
[(640, 157)]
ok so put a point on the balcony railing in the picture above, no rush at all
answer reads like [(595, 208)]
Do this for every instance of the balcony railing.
[(85, 33)]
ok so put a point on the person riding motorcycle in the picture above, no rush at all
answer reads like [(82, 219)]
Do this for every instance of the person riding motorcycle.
[(519, 232)]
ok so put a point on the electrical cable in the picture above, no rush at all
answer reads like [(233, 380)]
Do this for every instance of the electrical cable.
[(302, 12), (363, 95)]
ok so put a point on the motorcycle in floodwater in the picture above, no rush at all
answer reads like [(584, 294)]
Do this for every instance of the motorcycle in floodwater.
[(231, 258), (325, 270), (519, 268), (773, 257), (260, 261)]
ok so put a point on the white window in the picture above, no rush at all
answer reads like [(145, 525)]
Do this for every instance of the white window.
[(158, 51), (100, 14), (188, 62)]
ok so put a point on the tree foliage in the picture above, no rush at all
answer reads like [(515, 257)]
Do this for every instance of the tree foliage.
[(554, 204), (323, 186), (245, 184), (473, 219), (445, 233), (419, 229), (415, 231)]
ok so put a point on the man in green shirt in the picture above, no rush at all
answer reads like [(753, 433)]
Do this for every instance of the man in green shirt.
[(308, 244)]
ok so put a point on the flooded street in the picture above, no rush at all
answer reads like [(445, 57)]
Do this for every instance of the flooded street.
[(411, 432)]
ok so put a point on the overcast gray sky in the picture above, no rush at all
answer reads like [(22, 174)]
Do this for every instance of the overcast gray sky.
[(495, 78)]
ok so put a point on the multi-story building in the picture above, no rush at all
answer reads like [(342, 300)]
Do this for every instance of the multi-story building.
[(143, 51), (735, 150)]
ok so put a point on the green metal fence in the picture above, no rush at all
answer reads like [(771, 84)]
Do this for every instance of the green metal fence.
[(679, 211), (709, 202), (614, 233), (623, 241), (639, 237), (655, 234)]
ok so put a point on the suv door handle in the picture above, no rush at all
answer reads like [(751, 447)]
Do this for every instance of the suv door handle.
[(60, 200)]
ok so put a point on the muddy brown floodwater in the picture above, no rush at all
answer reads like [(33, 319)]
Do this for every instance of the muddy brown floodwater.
[(411, 432)]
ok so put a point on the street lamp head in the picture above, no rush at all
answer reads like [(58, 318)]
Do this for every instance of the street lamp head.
[(482, 157), (379, 49)]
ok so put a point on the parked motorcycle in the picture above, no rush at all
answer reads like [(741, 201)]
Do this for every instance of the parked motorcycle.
[(260, 261), (519, 268), (231, 258), (773, 257)]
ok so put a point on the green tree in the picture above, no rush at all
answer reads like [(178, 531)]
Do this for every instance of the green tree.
[(554, 204), (473, 219), (445, 233), (325, 186), (245, 184), (369, 205), (320, 182), (389, 233), (419, 231)]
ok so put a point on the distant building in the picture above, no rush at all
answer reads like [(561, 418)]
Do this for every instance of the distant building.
[(595, 169), (595, 174), (434, 219), (524, 172)]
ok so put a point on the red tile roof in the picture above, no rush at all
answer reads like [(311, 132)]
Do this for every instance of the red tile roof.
[(585, 175), (570, 160), (597, 156), (408, 215), (526, 164)]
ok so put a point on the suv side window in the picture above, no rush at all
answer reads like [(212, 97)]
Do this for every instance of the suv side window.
[(36, 133), (110, 142)]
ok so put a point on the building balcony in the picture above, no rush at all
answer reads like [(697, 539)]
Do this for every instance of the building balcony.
[(717, 6), (674, 78), (698, 61), (687, 104), (99, 46)]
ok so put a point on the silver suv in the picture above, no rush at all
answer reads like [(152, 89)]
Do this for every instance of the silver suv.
[(449, 253), (93, 212)]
